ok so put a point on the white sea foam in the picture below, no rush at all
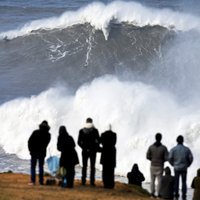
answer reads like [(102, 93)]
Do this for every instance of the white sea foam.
[(135, 110), (100, 15)]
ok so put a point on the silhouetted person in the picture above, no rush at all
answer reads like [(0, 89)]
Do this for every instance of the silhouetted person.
[(180, 157), (37, 145), (196, 186), (69, 157), (108, 157), (88, 140), (135, 177), (157, 154), (167, 185)]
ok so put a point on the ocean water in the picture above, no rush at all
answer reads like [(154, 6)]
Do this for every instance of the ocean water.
[(134, 64)]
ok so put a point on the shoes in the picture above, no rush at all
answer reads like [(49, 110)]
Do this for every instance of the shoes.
[(83, 183), (159, 196), (31, 184), (184, 197), (176, 196), (153, 196), (92, 184)]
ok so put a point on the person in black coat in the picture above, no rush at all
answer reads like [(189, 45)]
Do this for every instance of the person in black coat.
[(37, 145), (135, 177), (167, 185), (88, 140), (69, 157), (108, 157)]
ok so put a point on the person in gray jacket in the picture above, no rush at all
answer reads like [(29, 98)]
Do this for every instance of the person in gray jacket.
[(157, 154), (180, 157)]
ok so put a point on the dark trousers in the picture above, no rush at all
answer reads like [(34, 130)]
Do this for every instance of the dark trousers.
[(85, 156), (108, 176), (183, 175), (70, 176), (33, 169)]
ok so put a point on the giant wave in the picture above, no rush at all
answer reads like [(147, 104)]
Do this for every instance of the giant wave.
[(152, 87), (100, 16)]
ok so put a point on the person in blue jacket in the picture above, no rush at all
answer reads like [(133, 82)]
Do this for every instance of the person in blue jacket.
[(180, 157)]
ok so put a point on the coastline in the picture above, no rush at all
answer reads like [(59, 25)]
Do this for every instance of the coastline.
[(15, 186)]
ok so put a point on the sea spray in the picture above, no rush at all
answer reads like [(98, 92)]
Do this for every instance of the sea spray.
[(136, 111)]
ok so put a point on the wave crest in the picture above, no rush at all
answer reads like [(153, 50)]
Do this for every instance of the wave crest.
[(100, 15)]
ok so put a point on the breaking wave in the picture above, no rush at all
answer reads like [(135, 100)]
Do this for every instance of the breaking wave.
[(100, 16)]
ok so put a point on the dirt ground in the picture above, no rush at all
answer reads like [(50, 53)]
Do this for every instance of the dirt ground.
[(15, 187)]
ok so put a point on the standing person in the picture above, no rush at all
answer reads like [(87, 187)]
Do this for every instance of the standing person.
[(196, 186), (88, 140), (157, 154), (180, 157), (108, 157), (37, 145), (135, 177), (167, 185), (69, 157)]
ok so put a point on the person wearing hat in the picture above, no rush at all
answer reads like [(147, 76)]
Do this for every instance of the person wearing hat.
[(167, 185), (196, 186), (180, 157), (37, 145), (135, 176), (88, 140)]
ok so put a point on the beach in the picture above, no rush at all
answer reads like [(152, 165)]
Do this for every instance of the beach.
[(15, 186)]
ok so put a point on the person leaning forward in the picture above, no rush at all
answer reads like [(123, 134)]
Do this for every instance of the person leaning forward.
[(88, 140)]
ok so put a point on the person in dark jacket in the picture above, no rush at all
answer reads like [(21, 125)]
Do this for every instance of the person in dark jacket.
[(88, 140), (167, 185), (108, 157), (180, 157), (69, 157), (157, 153), (135, 177), (37, 145), (196, 186)]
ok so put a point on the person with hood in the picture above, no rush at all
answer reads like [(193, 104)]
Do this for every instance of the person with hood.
[(69, 157), (167, 185), (180, 157), (196, 186), (108, 157), (88, 140), (157, 153), (37, 145), (135, 177)]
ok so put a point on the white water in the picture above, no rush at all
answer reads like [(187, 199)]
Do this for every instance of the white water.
[(100, 16), (135, 110)]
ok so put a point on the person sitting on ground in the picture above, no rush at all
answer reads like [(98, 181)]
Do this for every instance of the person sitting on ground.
[(135, 177), (196, 186), (167, 185)]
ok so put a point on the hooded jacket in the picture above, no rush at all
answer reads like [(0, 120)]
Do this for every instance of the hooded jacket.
[(39, 141), (88, 138), (66, 146), (196, 186)]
